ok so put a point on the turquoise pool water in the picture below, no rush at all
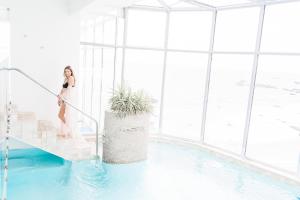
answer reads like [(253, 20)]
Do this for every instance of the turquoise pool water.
[(171, 172)]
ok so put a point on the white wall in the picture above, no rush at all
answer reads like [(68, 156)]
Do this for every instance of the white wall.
[(44, 39)]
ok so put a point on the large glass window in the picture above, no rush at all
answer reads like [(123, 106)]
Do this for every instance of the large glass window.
[(281, 30), (87, 81), (87, 30), (95, 79), (118, 67), (184, 91), (143, 70), (106, 84), (4, 54), (227, 101), (274, 136), (4, 38), (190, 30), (274, 132), (236, 29), (109, 31), (99, 30), (146, 28), (120, 30)]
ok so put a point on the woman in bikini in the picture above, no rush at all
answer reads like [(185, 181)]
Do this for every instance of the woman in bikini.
[(66, 93)]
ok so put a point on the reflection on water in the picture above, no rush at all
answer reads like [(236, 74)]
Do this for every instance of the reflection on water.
[(171, 172)]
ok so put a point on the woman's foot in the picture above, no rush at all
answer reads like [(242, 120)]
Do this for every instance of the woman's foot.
[(62, 119), (61, 135), (68, 136)]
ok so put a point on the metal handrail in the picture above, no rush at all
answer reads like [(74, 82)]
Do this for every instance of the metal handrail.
[(54, 94)]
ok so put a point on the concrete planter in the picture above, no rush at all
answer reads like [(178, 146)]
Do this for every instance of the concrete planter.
[(126, 139)]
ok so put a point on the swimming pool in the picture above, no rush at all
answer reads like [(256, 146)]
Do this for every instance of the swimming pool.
[(171, 172)]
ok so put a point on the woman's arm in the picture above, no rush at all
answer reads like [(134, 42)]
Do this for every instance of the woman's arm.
[(60, 95), (71, 81)]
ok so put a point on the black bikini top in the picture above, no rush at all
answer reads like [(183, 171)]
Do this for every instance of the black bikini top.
[(66, 84)]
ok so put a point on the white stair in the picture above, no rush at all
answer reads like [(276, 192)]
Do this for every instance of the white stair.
[(43, 135)]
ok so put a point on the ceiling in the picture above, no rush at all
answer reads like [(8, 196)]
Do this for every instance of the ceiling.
[(93, 8)]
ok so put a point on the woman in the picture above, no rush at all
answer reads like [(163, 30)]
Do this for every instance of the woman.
[(67, 93)]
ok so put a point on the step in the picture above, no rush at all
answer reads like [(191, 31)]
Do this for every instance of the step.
[(68, 149)]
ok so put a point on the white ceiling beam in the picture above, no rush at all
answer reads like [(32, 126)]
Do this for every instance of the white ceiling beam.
[(200, 4), (254, 4), (77, 5), (149, 8), (190, 9), (161, 2), (172, 4)]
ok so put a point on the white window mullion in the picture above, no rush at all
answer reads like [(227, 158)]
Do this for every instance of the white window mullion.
[(164, 72), (253, 80), (208, 72)]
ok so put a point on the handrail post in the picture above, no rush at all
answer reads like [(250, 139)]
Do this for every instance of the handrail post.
[(54, 94)]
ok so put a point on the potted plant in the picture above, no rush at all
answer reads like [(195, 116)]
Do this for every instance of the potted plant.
[(126, 126)]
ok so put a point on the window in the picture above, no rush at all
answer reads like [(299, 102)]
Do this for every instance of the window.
[(190, 30), (274, 128), (184, 91), (236, 30), (146, 28), (227, 101), (281, 31), (143, 70)]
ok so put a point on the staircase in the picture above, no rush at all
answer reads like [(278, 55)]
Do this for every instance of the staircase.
[(28, 128)]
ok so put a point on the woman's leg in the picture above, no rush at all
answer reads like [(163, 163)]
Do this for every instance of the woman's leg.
[(61, 114), (68, 125)]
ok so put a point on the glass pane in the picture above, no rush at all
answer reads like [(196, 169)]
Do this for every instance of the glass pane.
[(87, 79), (146, 28), (81, 76), (120, 32), (184, 91), (227, 101), (107, 81), (143, 70), (236, 30), (96, 83), (274, 136), (4, 57), (87, 30), (3, 102), (118, 72), (190, 30), (4, 61), (99, 30), (4, 42), (109, 31), (281, 30), (96, 80)]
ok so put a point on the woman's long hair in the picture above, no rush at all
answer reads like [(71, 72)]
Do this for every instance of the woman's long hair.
[(72, 73)]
